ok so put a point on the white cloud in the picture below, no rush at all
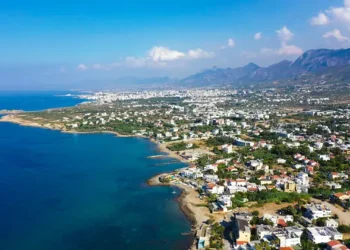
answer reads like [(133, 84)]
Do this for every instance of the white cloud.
[(231, 43), (257, 36), (82, 67), (289, 50), (336, 34), (341, 14), (157, 57), (321, 19), (284, 34), (347, 3), (199, 53), (164, 54)]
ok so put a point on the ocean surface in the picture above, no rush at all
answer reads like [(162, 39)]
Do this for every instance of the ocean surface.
[(33, 101), (83, 191)]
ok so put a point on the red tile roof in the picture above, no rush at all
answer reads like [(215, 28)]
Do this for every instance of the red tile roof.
[(339, 194), (210, 185), (282, 223), (333, 243)]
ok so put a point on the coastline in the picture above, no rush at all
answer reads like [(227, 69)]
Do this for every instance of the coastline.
[(188, 201), (17, 120)]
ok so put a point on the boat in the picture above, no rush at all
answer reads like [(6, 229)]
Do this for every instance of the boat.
[(174, 192)]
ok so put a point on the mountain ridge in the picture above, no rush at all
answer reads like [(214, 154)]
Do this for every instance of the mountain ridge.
[(311, 61)]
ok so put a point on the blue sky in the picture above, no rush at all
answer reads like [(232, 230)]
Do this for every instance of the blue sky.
[(70, 41)]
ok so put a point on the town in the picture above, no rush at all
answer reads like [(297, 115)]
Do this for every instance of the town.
[(270, 165)]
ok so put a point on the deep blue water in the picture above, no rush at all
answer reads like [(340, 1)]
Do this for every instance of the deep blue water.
[(86, 191), (30, 101)]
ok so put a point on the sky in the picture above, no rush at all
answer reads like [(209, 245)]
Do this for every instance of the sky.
[(59, 43)]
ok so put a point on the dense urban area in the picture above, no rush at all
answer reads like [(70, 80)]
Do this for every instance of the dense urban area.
[(269, 166)]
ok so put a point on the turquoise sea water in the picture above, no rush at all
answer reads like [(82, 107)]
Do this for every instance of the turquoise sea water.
[(70, 191)]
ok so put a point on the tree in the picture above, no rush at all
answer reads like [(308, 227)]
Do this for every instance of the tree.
[(321, 222), (255, 220), (255, 213), (203, 161), (263, 246)]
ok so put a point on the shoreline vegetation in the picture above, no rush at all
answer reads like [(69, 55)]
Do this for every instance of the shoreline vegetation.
[(189, 201), (161, 147)]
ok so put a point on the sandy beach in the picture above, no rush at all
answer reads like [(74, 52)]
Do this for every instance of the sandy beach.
[(190, 203)]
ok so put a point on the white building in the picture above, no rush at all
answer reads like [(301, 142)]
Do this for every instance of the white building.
[(316, 210), (227, 148), (263, 231), (323, 234), (287, 238)]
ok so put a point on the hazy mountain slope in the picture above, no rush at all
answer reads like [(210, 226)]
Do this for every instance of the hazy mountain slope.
[(311, 61)]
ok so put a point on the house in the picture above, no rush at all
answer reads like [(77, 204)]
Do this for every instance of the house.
[(302, 179), (340, 197), (227, 148), (217, 207), (309, 170), (203, 236), (281, 161), (242, 143), (214, 189), (263, 231), (320, 235), (317, 210), (289, 186), (297, 166), (318, 145), (225, 199), (266, 181), (299, 157), (333, 185), (278, 219), (333, 175), (336, 245), (324, 157), (287, 238), (241, 230), (213, 167), (255, 165)]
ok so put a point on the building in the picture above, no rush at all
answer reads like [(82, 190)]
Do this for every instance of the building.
[(340, 198), (336, 245), (255, 165), (241, 230), (331, 223), (289, 186), (203, 236), (227, 148), (317, 210), (263, 231), (323, 234), (287, 238)]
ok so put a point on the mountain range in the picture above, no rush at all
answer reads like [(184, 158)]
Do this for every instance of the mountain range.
[(311, 62)]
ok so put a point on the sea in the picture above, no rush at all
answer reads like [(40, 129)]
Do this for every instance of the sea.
[(82, 191)]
